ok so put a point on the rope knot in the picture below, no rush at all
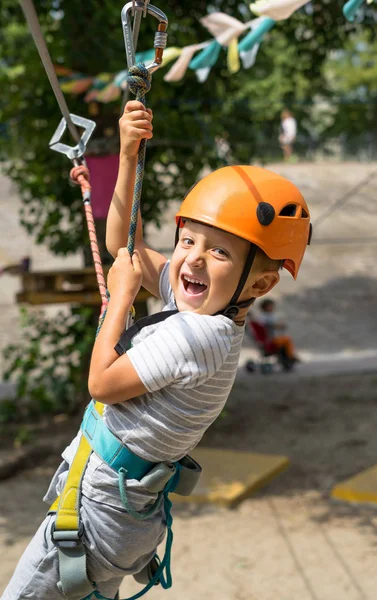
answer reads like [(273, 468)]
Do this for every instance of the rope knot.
[(139, 80), (80, 176)]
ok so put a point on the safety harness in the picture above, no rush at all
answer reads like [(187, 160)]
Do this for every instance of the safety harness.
[(162, 478)]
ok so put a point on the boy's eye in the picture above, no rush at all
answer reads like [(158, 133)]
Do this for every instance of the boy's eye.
[(221, 252), (187, 241)]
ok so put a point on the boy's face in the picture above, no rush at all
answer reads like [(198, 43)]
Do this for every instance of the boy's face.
[(206, 267)]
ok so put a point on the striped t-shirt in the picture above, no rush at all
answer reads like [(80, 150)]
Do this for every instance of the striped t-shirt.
[(188, 364)]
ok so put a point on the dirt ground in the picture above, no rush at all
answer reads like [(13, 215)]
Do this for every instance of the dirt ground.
[(288, 542)]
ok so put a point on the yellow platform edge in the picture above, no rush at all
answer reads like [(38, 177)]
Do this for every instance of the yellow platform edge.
[(230, 495), (361, 488)]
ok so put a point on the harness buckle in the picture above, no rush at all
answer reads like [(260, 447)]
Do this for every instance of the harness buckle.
[(73, 152), (66, 538), (134, 8)]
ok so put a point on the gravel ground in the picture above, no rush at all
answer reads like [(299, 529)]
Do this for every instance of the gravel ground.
[(290, 541)]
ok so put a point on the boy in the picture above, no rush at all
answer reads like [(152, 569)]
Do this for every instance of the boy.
[(164, 392)]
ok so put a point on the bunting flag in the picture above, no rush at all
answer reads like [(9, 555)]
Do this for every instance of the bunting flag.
[(178, 70), (226, 32), (257, 33), (278, 10), (351, 8), (223, 27), (233, 59)]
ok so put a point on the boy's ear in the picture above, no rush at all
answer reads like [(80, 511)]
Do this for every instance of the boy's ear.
[(264, 283)]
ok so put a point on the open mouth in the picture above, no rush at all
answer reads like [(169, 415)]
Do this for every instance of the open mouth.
[(193, 286)]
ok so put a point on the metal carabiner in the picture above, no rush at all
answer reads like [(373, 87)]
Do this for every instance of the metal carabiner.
[(146, 2), (74, 153), (160, 39)]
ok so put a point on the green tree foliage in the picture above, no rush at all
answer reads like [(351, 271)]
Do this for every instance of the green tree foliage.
[(47, 365), (87, 37), (351, 74)]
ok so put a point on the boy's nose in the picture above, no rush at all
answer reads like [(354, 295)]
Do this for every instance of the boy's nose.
[(195, 257)]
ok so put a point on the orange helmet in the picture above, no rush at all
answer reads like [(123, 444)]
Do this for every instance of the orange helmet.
[(256, 205)]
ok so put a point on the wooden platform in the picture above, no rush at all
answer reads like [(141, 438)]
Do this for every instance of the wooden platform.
[(359, 488), (229, 477), (68, 286)]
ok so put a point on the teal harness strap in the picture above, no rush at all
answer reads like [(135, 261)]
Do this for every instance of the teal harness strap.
[(108, 447), (159, 577)]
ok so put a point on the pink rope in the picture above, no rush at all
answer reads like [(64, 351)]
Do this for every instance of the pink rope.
[(80, 176)]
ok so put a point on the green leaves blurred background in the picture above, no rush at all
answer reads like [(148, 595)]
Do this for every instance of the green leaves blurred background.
[(315, 63)]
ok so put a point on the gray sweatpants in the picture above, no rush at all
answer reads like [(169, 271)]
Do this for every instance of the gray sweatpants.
[(117, 545)]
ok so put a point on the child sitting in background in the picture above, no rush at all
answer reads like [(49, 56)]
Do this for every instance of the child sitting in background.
[(274, 327)]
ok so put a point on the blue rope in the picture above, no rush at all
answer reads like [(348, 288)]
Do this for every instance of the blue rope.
[(165, 580), (164, 565), (139, 83)]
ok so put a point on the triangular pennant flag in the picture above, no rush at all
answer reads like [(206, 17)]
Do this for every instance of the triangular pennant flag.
[(110, 93), (101, 80), (351, 8), (147, 56), (77, 85), (276, 9), (248, 57), (120, 78), (202, 74), (223, 27), (207, 57), (255, 36), (178, 70), (233, 57), (170, 54), (62, 71)]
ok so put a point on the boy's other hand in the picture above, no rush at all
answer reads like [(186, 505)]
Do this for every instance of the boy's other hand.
[(134, 125), (125, 276)]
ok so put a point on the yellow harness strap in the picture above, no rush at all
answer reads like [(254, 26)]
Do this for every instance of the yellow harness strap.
[(67, 505)]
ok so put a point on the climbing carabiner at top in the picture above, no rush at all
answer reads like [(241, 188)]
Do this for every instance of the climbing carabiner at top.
[(160, 39), (146, 2)]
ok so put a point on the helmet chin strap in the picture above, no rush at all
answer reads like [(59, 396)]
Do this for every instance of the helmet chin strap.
[(231, 311)]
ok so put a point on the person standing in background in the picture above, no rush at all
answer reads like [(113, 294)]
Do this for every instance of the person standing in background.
[(288, 132)]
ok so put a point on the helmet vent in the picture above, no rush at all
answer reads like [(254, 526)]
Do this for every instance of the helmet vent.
[(288, 211), (304, 214)]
